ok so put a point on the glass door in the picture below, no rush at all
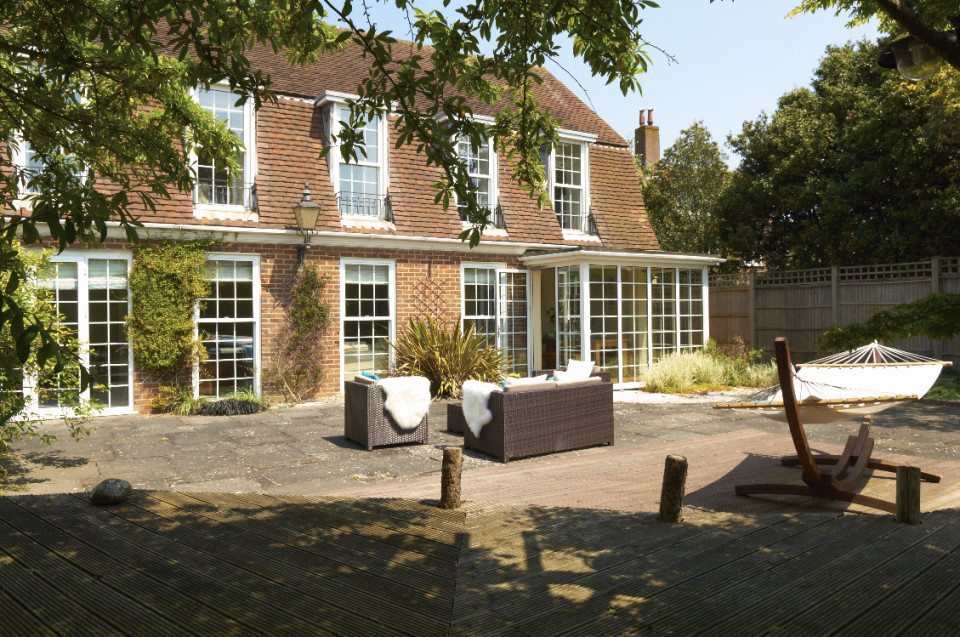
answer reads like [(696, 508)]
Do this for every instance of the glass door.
[(512, 335), (91, 296)]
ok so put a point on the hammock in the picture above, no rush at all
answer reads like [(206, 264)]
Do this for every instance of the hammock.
[(850, 384)]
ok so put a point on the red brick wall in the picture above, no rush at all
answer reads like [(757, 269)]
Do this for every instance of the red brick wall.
[(278, 265)]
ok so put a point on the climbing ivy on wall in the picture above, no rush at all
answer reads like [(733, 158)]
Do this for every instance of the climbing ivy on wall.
[(166, 283), (297, 369)]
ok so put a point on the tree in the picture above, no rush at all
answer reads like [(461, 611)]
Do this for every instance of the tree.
[(99, 90), (936, 316), (682, 189), (929, 25), (860, 168)]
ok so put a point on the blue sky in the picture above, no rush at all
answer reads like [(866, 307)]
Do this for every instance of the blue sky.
[(734, 59)]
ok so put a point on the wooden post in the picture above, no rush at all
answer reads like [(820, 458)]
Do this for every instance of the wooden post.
[(671, 495), (752, 310), (450, 478), (835, 296), (936, 345), (908, 495)]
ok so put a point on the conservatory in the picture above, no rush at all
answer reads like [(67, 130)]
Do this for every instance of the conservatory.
[(624, 310)]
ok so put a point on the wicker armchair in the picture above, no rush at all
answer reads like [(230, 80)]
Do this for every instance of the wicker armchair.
[(366, 422), (540, 421)]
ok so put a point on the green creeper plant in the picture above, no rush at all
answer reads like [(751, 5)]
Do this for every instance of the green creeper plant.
[(297, 369), (166, 284)]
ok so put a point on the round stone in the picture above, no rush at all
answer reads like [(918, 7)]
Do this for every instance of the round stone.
[(111, 491)]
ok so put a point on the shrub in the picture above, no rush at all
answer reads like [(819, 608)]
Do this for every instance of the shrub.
[(166, 284), (947, 386), (176, 400), (447, 356), (297, 369), (180, 401), (710, 368), (59, 380)]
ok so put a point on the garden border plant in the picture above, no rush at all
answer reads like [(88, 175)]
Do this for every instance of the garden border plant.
[(447, 357), (166, 284), (297, 370)]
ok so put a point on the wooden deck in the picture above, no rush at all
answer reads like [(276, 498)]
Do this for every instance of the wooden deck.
[(180, 564)]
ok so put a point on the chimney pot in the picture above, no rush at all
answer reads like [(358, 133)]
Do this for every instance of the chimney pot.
[(650, 116), (643, 118)]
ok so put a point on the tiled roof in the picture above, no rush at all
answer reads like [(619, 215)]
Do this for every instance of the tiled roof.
[(343, 72), (290, 139)]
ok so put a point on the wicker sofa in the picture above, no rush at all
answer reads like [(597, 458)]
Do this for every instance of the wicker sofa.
[(544, 418), (366, 422)]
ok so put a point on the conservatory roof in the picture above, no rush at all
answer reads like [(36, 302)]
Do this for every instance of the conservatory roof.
[(606, 256)]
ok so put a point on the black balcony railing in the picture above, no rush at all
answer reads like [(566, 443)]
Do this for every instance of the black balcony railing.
[(496, 216), (592, 224), (214, 194), (366, 206)]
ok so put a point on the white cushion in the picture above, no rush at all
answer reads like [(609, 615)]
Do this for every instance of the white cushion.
[(526, 381), (578, 381), (545, 384), (578, 369)]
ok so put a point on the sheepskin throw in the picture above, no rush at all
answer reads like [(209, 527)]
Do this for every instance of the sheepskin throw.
[(475, 397), (408, 399)]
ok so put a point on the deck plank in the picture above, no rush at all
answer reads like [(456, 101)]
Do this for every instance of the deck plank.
[(520, 562), (349, 595)]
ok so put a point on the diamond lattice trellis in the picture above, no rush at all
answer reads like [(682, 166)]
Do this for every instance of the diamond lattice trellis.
[(428, 298)]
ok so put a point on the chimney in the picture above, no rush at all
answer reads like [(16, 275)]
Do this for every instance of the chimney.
[(647, 139)]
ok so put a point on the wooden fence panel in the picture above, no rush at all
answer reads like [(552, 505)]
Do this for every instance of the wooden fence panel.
[(802, 304), (729, 318)]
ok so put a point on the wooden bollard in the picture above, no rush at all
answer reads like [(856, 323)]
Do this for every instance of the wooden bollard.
[(908, 495), (671, 495), (450, 478)]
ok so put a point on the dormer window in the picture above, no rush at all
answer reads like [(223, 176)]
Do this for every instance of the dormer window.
[(568, 185), (478, 162), (359, 185), (567, 169), (216, 186)]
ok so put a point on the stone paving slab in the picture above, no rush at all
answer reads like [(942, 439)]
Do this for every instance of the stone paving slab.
[(301, 450)]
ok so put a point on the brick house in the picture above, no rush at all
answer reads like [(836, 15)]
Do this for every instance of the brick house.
[(585, 280)]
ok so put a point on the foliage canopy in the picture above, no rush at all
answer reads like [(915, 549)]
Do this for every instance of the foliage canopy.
[(682, 189), (936, 316), (860, 168)]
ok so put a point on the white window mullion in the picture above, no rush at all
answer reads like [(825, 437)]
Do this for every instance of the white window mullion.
[(650, 338)]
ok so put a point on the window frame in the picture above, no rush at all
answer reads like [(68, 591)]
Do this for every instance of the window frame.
[(498, 269), (549, 159), (229, 211), (331, 102), (493, 183), (392, 288), (257, 319), (82, 259)]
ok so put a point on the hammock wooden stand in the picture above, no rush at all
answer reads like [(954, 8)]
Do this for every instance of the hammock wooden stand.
[(846, 468)]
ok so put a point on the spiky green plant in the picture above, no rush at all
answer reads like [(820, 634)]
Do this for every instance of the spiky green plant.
[(447, 355)]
